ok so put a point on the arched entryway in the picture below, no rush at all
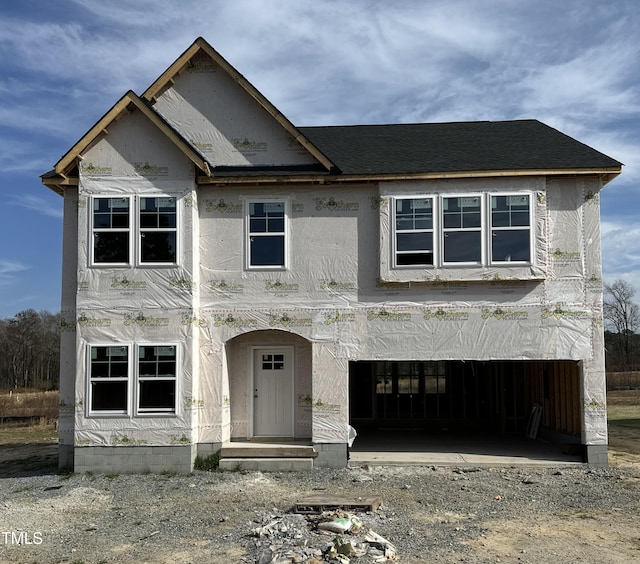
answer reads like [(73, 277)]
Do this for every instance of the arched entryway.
[(269, 376)]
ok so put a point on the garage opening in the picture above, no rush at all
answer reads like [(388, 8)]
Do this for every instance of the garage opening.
[(534, 399)]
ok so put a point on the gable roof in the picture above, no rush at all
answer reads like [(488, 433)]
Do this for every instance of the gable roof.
[(53, 179), (201, 45), (524, 145)]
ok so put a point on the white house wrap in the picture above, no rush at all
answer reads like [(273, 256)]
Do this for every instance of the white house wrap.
[(228, 276)]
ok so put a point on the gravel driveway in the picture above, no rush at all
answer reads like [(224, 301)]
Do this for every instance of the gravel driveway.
[(429, 514)]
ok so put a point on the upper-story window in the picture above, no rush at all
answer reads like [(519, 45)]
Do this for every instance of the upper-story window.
[(158, 230), (462, 229), (111, 228), (510, 228), (413, 231), (155, 224), (267, 234)]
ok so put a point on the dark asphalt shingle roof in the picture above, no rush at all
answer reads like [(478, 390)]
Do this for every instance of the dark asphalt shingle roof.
[(453, 147)]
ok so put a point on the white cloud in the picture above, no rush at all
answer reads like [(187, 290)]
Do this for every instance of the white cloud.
[(39, 205), (8, 269)]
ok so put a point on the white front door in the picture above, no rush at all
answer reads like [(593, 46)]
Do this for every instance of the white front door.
[(273, 392)]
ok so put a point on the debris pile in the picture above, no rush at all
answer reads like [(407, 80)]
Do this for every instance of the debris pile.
[(331, 536)]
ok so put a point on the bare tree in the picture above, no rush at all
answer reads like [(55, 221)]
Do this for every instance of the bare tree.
[(29, 350), (622, 316)]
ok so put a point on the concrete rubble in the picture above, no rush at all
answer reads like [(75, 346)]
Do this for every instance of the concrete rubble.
[(332, 536)]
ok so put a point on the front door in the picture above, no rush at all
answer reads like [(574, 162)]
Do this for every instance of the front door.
[(273, 392)]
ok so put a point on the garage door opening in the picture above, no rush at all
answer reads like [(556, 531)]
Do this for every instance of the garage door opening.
[(478, 406)]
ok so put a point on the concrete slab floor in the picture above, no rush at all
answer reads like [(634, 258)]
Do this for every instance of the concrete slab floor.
[(406, 447)]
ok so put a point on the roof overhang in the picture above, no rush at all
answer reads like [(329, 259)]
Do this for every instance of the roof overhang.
[(63, 173), (605, 174)]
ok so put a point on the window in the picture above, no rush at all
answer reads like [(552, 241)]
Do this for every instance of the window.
[(510, 228), (156, 378), (266, 235), (413, 231), (462, 229), (469, 230), (272, 362), (111, 374), (111, 225), (109, 379), (158, 233), (155, 226)]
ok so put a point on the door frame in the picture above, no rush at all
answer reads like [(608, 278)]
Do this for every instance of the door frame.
[(289, 350)]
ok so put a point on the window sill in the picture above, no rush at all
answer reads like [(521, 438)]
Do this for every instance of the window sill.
[(463, 273)]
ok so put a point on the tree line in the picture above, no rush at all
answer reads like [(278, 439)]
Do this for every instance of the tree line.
[(622, 321), (30, 350)]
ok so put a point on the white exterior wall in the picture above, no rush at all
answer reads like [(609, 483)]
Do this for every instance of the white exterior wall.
[(332, 296)]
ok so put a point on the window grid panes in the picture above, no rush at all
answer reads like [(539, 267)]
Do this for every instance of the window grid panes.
[(414, 231), (272, 362), (267, 222), (158, 230), (157, 366), (462, 229), (108, 379), (510, 228), (111, 226)]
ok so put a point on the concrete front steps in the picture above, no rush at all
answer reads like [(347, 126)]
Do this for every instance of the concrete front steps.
[(267, 457)]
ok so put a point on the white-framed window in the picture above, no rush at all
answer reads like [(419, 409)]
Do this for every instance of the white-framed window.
[(158, 230), (466, 230), (462, 226), (151, 379), (153, 220), (111, 228), (266, 235), (109, 376), (157, 377), (414, 227), (510, 216)]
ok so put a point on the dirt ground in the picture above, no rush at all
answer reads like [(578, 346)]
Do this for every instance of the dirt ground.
[(472, 515)]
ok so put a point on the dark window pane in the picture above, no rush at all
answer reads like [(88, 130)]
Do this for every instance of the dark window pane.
[(499, 203), (451, 204), (158, 246), (120, 220), (101, 220), (147, 368), (111, 247), (276, 225), (258, 226), (404, 223), (267, 251), (166, 368), (119, 369), (414, 242), (149, 220), (520, 218), (500, 219), (462, 246), (99, 370), (167, 220), (510, 245), (108, 396), (452, 220), (471, 220), (414, 259), (160, 395)]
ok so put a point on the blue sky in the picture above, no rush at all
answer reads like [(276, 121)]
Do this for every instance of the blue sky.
[(573, 64)]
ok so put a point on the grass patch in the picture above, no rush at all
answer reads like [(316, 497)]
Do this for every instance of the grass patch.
[(209, 463), (28, 435)]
